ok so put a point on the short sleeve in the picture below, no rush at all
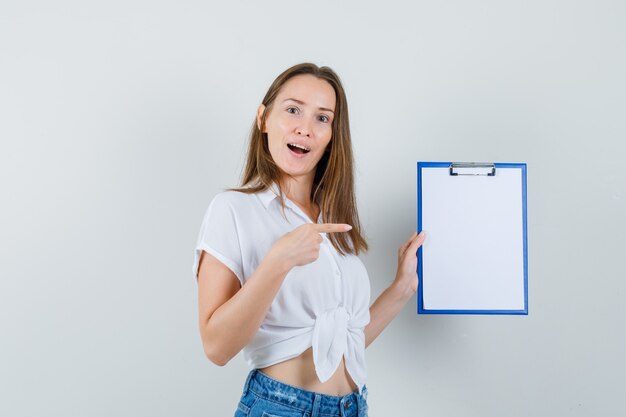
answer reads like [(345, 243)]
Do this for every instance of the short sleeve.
[(219, 236)]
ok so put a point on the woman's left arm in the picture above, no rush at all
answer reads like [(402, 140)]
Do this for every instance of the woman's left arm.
[(390, 302)]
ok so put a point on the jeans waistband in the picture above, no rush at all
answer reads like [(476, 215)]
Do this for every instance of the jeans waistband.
[(314, 403)]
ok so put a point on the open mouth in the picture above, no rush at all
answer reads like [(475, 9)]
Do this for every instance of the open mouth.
[(299, 149)]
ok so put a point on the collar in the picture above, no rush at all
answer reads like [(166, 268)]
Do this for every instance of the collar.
[(269, 195)]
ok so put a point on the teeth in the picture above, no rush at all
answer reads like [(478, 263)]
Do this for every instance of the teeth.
[(299, 146)]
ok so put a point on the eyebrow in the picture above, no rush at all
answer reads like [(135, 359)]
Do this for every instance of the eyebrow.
[(302, 102)]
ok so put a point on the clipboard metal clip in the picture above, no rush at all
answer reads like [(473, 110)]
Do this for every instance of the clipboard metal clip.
[(472, 169)]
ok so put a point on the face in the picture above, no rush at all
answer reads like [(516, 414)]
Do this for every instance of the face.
[(299, 124)]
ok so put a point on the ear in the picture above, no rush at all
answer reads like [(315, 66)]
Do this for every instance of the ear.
[(259, 115)]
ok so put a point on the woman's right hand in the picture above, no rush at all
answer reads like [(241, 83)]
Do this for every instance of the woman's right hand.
[(301, 246)]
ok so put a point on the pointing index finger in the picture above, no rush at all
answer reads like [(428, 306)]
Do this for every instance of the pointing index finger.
[(332, 227)]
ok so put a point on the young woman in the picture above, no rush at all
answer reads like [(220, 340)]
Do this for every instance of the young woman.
[(276, 260)]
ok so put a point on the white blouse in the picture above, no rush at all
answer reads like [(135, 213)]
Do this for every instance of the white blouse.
[(324, 304)]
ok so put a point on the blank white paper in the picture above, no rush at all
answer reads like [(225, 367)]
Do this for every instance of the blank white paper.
[(473, 256)]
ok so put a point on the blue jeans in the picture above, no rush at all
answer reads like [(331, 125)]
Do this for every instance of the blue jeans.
[(266, 397)]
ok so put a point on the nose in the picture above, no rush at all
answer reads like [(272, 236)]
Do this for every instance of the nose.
[(304, 129)]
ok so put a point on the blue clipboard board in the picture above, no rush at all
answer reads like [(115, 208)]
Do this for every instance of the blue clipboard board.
[(475, 257)]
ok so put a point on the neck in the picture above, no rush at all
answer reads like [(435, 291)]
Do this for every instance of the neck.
[(298, 190)]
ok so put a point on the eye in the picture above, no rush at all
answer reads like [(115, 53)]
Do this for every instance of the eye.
[(295, 110), (324, 118)]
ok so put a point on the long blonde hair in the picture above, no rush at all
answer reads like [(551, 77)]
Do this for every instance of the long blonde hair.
[(333, 185)]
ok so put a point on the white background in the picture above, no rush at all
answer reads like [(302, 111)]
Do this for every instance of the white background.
[(120, 120)]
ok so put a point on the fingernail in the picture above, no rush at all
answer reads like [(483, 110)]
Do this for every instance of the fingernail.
[(348, 227)]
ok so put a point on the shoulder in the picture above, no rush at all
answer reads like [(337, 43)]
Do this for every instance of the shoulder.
[(234, 201), (231, 197)]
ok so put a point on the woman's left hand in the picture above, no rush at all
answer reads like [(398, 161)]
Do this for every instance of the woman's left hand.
[(390, 302), (406, 275)]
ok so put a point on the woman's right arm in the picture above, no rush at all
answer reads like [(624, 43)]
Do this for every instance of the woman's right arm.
[(230, 315)]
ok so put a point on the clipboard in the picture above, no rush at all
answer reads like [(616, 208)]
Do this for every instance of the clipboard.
[(475, 257)]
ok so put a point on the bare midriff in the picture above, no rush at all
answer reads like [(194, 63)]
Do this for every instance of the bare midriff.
[(300, 372)]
